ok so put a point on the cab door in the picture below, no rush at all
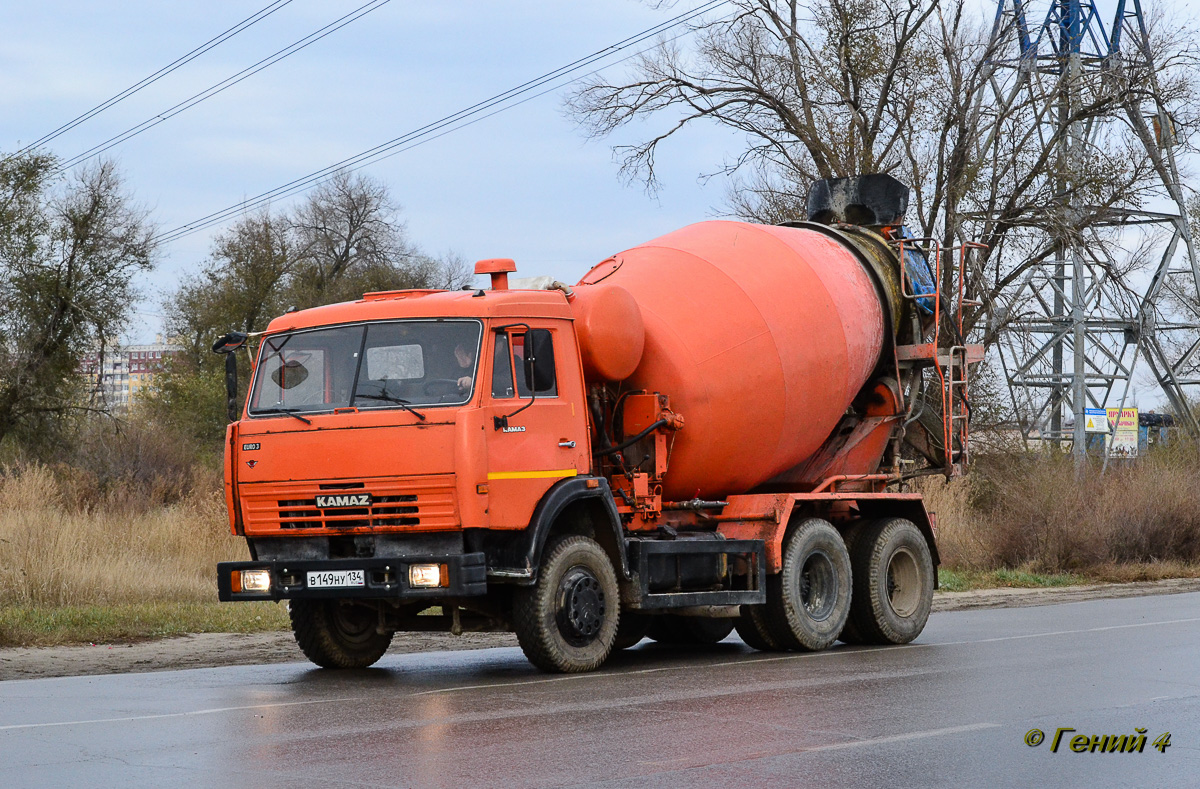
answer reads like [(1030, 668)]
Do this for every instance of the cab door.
[(537, 434)]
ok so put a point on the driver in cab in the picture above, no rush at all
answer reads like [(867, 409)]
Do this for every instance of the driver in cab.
[(465, 356)]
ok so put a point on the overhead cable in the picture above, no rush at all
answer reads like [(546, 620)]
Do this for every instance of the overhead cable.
[(462, 118), (225, 84), (183, 60)]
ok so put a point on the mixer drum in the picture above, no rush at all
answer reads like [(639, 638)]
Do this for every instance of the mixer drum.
[(761, 336)]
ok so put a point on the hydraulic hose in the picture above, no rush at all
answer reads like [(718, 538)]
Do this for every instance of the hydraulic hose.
[(631, 441)]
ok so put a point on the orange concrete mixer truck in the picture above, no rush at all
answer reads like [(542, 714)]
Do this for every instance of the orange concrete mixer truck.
[(709, 431)]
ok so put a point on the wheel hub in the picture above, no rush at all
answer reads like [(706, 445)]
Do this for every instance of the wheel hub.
[(903, 583), (353, 624), (818, 586), (580, 606)]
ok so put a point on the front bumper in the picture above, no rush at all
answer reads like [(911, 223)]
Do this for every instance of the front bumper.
[(384, 578)]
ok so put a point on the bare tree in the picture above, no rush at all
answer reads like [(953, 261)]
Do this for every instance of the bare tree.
[(349, 239), (832, 88), (344, 240)]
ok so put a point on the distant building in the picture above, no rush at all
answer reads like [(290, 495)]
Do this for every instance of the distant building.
[(126, 371)]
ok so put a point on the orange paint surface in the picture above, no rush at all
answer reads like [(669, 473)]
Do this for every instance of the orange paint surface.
[(760, 335)]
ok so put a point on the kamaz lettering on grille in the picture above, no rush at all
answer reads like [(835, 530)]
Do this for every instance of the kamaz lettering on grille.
[(344, 500)]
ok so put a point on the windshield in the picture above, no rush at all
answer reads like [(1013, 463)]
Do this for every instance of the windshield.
[(374, 365)]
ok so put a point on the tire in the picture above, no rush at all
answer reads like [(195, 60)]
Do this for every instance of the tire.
[(850, 634), (335, 634), (893, 582), (631, 630), (751, 628), (689, 630), (567, 621), (808, 602)]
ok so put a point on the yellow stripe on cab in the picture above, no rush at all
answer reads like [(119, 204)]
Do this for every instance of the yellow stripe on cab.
[(553, 474)]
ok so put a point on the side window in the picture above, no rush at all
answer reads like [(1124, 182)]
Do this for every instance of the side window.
[(502, 371), (511, 352), (539, 346)]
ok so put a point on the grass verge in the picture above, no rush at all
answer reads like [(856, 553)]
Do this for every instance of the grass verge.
[(966, 580), (30, 626)]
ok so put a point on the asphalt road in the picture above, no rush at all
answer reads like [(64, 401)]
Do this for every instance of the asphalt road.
[(952, 709)]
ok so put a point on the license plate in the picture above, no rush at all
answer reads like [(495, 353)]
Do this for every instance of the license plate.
[(325, 579)]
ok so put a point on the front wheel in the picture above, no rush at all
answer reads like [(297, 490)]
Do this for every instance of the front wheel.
[(567, 621), (337, 634)]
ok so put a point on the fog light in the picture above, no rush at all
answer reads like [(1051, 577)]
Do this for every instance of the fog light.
[(424, 575), (255, 581)]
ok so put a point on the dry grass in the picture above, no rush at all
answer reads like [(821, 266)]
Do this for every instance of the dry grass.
[(53, 553), (962, 538), (83, 558), (1034, 514), (106, 548)]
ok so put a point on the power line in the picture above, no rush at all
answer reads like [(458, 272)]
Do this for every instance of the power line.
[(443, 126), (183, 60), (226, 83)]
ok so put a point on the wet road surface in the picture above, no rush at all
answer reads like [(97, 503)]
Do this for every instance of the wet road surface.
[(952, 709)]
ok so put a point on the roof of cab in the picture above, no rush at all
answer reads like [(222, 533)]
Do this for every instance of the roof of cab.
[(400, 304)]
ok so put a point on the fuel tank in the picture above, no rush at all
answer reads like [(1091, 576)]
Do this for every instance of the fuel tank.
[(761, 336)]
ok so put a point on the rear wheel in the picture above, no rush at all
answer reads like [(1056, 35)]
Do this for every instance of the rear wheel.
[(689, 630), (809, 601), (893, 582), (337, 634), (567, 621)]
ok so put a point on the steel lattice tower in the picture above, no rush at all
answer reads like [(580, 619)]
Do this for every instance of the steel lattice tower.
[(1074, 330)]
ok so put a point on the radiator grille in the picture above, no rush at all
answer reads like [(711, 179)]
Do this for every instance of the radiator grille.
[(415, 503)]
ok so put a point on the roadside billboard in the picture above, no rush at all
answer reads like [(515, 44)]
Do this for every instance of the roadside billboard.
[(1123, 442)]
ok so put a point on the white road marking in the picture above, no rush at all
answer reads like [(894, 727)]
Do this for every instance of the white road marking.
[(190, 713), (1062, 632), (915, 735), (839, 746)]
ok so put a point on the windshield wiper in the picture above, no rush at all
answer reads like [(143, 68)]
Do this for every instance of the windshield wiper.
[(387, 398), (288, 411)]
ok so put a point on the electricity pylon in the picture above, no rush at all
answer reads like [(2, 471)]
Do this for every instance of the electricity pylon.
[(1076, 326)]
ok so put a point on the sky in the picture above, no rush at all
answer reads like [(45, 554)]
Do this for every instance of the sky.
[(524, 183)]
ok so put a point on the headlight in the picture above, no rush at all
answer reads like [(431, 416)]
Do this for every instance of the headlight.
[(424, 575), (251, 580)]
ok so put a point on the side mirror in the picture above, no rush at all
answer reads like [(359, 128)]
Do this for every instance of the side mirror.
[(230, 342), (227, 345), (539, 360)]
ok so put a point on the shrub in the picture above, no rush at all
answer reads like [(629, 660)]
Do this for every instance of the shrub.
[(1035, 512)]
